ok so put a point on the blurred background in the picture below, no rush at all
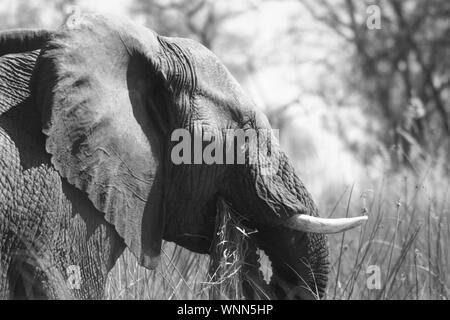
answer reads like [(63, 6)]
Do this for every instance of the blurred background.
[(361, 97)]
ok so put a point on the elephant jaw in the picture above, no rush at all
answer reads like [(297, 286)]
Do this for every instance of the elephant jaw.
[(193, 242)]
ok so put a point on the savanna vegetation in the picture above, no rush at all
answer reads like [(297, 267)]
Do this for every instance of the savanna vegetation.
[(363, 112)]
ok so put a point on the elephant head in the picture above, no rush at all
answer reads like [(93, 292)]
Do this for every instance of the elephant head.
[(112, 95)]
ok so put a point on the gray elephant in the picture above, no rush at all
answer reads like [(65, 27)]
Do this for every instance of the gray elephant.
[(87, 115)]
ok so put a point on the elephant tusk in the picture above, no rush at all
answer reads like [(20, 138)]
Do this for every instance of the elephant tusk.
[(306, 223)]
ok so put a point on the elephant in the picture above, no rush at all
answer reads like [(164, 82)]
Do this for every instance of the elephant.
[(87, 115)]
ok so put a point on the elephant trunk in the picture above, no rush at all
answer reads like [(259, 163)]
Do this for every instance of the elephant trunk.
[(272, 202), (299, 263), (276, 203)]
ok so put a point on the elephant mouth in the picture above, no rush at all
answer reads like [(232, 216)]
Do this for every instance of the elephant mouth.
[(294, 252), (268, 266), (275, 263), (264, 275)]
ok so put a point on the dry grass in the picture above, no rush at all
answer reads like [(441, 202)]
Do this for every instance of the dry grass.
[(185, 275), (180, 275), (406, 237)]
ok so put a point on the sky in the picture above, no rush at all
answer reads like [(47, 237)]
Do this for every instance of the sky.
[(112, 6)]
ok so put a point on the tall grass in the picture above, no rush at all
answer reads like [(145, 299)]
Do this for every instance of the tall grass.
[(406, 240), (185, 275)]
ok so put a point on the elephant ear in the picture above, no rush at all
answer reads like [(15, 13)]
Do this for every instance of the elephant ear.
[(98, 90)]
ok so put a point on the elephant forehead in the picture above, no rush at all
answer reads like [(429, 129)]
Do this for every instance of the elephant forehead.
[(215, 88)]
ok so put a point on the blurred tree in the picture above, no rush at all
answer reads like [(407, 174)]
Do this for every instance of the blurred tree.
[(197, 19), (33, 14), (204, 20), (402, 68)]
